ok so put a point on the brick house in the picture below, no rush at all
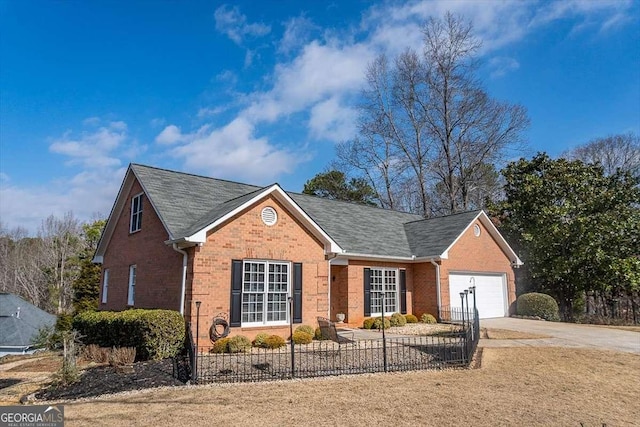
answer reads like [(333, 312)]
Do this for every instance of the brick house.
[(174, 238)]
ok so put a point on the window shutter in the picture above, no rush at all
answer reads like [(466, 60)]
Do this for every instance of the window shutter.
[(297, 292), (403, 292), (367, 292), (236, 293)]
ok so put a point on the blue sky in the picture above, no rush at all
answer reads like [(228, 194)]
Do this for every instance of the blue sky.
[(261, 92)]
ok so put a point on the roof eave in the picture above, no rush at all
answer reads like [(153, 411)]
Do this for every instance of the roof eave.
[(396, 258)]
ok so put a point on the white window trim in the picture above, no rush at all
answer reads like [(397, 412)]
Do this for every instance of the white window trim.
[(105, 286), (131, 294), (397, 299), (265, 322), (139, 212)]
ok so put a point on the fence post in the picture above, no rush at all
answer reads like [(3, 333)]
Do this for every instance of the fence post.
[(195, 364), (293, 355), (384, 338)]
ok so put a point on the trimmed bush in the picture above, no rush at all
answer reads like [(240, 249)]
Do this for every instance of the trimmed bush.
[(377, 324), (239, 344), (318, 334), (537, 304), (305, 328), (397, 319), (410, 318), (221, 346), (368, 323), (122, 356), (258, 341), (274, 341), (301, 337), (427, 318), (155, 334)]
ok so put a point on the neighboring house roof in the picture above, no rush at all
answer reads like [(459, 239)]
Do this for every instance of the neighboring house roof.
[(190, 205), (20, 321)]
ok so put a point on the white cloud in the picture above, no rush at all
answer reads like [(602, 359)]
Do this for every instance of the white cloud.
[(91, 121), (157, 122), (332, 121), (501, 65), (92, 149), (234, 24), (4, 177), (169, 135), (297, 32), (234, 152), (209, 112)]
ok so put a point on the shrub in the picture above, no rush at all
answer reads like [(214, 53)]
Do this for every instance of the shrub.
[(274, 341), (397, 319), (305, 328), (238, 344), (301, 337), (258, 341), (64, 322), (318, 334), (377, 324), (368, 323), (221, 346), (95, 353), (122, 356), (410, 318), (427, 318), (156, 334), (537, 304)]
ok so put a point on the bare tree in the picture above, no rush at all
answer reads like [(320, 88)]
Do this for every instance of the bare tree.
[(612, 153), (429, 117), (61, 241)]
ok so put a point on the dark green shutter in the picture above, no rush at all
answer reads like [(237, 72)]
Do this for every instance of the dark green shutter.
[(403, 292), (236, 293), (367, 292), (297, 292)]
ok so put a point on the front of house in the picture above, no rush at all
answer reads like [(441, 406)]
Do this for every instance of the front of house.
[(245, 253)]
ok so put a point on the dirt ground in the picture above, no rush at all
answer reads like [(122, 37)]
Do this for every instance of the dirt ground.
[(506, 334), (513, 386)]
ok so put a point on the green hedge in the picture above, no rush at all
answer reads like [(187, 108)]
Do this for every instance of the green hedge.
[(537, 304), (156, 334)]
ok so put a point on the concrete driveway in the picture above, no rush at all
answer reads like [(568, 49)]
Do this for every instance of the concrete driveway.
[(563, 335)]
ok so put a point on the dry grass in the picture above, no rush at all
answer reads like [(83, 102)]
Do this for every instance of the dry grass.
[(507, 334), (624, 328), (22, 376), (515, 386)]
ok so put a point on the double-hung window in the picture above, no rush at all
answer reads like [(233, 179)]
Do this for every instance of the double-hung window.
[(384, 284), (136, 214), (265, 290), (105, 286), (132, 285)]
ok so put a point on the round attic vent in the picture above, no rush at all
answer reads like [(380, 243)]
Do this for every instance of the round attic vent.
[(476, 230), (269, 216)]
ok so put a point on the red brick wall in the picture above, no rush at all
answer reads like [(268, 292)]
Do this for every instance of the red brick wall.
[(247, 237), (158, 274), (425, 294), (481, 254), (354, 310)]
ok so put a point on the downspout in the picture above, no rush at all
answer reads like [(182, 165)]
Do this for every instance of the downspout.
[(329, 287), (437, 266), (184, 276)]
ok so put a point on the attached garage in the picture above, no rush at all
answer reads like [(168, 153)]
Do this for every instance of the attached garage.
[(491, 292)]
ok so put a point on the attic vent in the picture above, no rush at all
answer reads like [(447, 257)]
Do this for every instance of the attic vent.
[(269, 216), (476, 230)]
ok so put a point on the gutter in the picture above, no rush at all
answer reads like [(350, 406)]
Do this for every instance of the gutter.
[(437, 266), (390, 258), (329, 286), (184, 276)]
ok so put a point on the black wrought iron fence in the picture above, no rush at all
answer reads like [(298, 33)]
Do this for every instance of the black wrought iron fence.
[(325, 358)]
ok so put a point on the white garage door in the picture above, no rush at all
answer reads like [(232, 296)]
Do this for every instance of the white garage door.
[(491, 293)]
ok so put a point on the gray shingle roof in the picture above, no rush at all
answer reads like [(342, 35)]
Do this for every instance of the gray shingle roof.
[(188, 203), (20, 321), (431, 237)]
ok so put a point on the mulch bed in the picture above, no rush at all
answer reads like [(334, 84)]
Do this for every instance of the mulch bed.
[(106, 379)]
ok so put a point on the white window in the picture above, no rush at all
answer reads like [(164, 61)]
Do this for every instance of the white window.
[(265, 290), (105, 286), (136, 213), (132, 285), (384, 284)]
